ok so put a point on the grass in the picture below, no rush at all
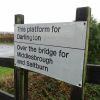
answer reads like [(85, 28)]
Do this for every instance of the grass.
[(7, 79), (5, 71), (7, 43)]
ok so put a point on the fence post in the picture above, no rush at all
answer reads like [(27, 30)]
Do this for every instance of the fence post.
[(20, 75), (82, 14)]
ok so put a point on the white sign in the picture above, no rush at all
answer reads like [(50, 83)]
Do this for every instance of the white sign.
[(54, 49)]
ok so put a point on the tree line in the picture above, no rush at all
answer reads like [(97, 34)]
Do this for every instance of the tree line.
[(6, 37)]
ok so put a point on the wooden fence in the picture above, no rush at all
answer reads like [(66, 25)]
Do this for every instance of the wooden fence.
[(21, 75), (93, 76)]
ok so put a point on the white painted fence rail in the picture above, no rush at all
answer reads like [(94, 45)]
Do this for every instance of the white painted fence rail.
[(6, 51)]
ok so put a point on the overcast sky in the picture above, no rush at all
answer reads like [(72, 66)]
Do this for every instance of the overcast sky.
[(43, 11)]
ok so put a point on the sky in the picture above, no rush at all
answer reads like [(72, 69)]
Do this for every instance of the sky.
[(43, 11)]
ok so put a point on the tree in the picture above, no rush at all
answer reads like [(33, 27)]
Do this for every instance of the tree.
[(94, 42)]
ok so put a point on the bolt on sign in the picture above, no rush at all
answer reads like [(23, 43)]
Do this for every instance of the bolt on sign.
[(53, 49)]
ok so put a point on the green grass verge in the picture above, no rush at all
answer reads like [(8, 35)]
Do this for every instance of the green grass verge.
[(5, 71), (6, 43)]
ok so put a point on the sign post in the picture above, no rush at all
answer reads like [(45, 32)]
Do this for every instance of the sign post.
[(82, 14), (21, 75), (58, 50)]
